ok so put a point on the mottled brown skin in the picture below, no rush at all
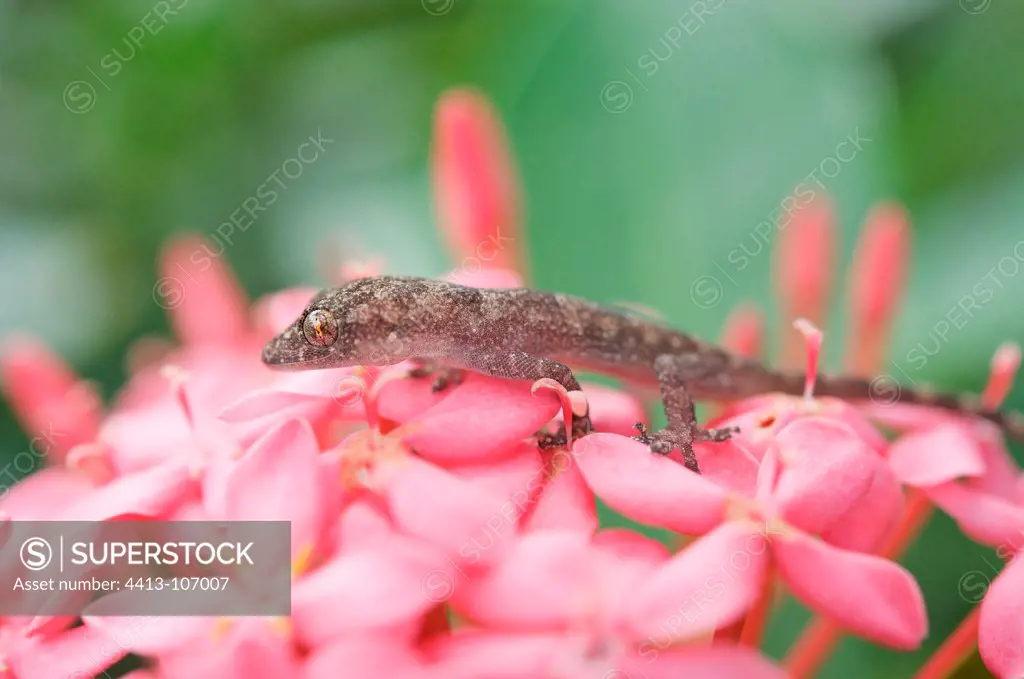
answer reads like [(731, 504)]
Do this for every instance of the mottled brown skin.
[(529, 334)]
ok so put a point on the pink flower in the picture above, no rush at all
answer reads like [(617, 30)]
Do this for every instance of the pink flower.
[(57, 408), (55, 654), (563, 605), (1001, 625), (815, 475), (475, 184), (965, 469), (433, 537)]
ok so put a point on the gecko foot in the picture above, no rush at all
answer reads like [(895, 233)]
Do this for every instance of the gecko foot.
[(444, 377), (716, 435), (665, 441), (581, 426)]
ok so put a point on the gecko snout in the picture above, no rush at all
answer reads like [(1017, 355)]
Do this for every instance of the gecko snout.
[(289, 349)]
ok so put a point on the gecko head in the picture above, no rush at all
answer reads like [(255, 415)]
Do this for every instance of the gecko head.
[(339, 327), (318, 338)]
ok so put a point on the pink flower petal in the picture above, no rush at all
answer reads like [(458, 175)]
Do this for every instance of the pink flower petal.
[(759, 419), (512, 597), (49, 625), (278, 479), (803, 266), (1001, 627), (989, 519), (627, 545), (744, 331), (475, 185), (363, 591), (1004, 367), (513, 477), (482, 418), (826, 469), (56, 408), (253, 648), (78, 652), (937, 455), (728, 464), (317, 390), (365, 657), (871, 596), (40, 496), (714, 662), (647, 487), (363, 525), (613, 411), (400, 400), (1002, 474), (563, 500), (474, 654), (275, 312), (898, 416), (205, 302), (463, 520), (150, 635), (710, 584), (92, 460), (876, 283), (489, 277), (869, 522), (153, 492)]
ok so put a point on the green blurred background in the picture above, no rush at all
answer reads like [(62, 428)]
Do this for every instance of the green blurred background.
[(652, 137)]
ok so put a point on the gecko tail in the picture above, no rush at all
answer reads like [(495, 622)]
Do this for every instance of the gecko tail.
[(884, 391)]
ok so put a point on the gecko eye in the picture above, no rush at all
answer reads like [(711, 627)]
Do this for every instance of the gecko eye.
[(320, 328)]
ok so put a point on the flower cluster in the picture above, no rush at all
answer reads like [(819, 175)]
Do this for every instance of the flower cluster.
[(432, 536)]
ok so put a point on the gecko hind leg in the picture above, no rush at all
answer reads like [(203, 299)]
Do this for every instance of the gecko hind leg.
[(676, 375), (444, 376)]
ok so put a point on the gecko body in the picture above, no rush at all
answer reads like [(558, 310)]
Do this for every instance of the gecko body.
[(529, 334)]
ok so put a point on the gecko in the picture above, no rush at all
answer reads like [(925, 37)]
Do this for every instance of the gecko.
[(528, 334)]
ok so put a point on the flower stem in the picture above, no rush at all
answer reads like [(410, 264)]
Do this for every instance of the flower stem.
[(757, 619), (957, 647), (730, 634), (816, 643), (915, 515), (810, 651)]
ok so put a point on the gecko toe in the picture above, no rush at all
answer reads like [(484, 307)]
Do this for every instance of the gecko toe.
[(716, 435), (547, 440), (443, 376), (667, 440), (581, 426)]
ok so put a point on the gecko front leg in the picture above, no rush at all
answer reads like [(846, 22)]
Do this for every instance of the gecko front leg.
[(519, 365), (676, 376), (444, 376)]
